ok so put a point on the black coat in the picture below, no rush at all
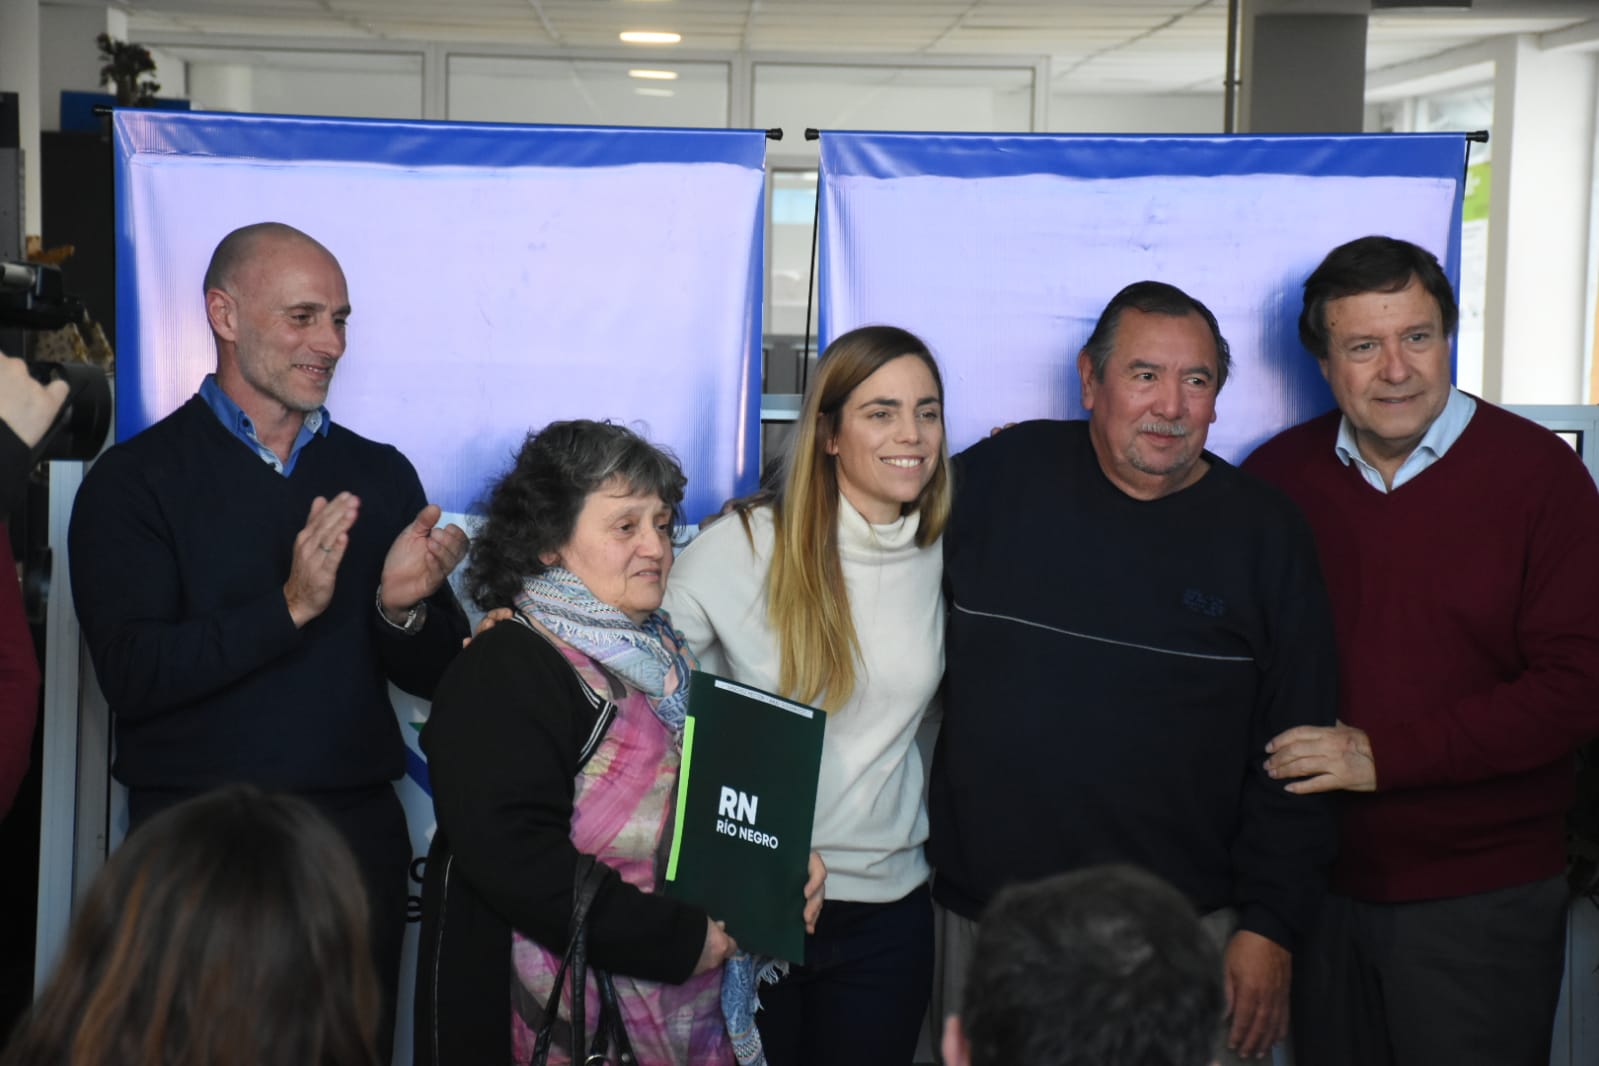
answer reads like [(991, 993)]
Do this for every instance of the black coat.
[(504, 743)]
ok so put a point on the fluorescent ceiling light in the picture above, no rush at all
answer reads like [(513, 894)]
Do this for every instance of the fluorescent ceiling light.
[(644, 90), (650, 37), (654, 75)]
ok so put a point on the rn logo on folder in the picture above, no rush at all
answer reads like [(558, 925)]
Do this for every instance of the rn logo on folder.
[(746, 799)]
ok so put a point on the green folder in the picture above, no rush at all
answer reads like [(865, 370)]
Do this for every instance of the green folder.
[(746, 799)]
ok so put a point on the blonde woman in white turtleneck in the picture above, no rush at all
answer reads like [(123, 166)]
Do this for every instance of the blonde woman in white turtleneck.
[(830, 594)]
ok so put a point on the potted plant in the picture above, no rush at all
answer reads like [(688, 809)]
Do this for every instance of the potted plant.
[(125, 64)]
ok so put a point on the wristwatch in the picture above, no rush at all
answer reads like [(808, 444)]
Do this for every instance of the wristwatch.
[(415, 615)]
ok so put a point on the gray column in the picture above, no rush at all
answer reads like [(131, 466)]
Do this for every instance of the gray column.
[(1303, 66), (19, 73)]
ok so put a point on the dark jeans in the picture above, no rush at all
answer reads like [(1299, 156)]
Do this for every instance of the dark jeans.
[(1452, 982), (372, 822), (862, 993)]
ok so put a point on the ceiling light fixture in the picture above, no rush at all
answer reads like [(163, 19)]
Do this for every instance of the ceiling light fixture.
[(654, 75), (650, 37), (645, 90)]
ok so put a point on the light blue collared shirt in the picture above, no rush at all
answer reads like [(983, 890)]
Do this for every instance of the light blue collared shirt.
[(1440, 436), (238, 423)]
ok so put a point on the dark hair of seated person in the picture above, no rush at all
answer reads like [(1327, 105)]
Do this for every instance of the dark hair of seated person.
[(1104, 966), (230, 930)]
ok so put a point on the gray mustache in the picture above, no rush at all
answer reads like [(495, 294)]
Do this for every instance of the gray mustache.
[(1164, 429)]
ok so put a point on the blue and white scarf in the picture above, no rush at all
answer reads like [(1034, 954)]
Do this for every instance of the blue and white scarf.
[(649, 655)]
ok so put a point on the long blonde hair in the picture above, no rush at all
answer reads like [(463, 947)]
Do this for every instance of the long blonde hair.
[(807, 603)]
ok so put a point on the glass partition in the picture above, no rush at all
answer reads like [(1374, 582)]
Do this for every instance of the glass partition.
[(968, 99), (269, 81), (648, 91)]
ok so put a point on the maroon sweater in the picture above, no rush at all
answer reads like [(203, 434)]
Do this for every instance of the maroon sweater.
[(19, 680), (1467, 609)]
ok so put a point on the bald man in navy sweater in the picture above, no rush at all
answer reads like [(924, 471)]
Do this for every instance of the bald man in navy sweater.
[(250, 576), (1458, 542)]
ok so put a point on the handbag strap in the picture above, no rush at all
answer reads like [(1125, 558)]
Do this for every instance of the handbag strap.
[(610, 1026), (588, 876)]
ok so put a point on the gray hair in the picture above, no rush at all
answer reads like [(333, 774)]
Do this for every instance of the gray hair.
[(532, 509)]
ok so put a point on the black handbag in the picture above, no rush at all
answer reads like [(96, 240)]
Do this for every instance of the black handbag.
[(610, 1035)]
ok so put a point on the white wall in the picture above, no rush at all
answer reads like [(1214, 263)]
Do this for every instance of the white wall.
[(68, 57)]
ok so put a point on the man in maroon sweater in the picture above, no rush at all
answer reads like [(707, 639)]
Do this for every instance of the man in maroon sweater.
[(1459, 546)]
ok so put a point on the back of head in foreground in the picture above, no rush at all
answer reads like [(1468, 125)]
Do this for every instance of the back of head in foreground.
[(1106, 966), (231, 930)]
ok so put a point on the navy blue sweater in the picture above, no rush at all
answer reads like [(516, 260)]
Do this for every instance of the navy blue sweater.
[(1114, 668), (181, 541)]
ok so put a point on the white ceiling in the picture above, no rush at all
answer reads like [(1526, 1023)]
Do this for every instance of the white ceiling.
[(1093, 45)]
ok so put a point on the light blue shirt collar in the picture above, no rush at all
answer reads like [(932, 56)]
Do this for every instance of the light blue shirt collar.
[(233, 418), (1440, 436)]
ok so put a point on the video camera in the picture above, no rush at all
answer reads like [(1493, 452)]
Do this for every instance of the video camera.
[(32, 298)]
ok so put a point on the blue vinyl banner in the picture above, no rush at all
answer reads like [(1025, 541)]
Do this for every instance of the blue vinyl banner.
[(501, 277), (1000, 251)]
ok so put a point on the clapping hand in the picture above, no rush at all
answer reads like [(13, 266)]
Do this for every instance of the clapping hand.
[(421, 557), (318, 550)]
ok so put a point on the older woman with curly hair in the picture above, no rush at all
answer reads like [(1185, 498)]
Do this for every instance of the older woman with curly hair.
[(557, 736)]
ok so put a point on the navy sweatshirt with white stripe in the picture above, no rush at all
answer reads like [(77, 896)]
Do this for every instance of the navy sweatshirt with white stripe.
[(1115, 668)]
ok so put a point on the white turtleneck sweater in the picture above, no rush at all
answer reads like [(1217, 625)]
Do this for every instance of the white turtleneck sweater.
[(871, 814)]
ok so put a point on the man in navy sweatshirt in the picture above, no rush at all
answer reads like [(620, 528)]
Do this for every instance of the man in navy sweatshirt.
[(1131, 619), (1458, 541), (250, 576)]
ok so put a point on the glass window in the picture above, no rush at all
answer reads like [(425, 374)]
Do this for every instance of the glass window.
[(966, 99), (793, 221), (789, 352), (1461, 110), (266, 81), (648, 91), (1077, 112)]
